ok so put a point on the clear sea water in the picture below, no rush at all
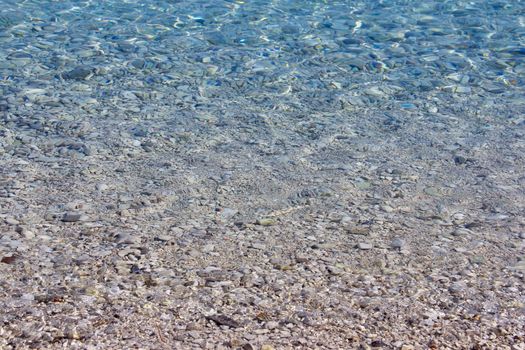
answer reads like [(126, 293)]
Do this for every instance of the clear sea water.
[(278, 46), (303, 86), (351, 171)]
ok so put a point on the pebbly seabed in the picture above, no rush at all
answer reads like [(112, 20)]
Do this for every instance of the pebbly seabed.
[(262, 175)]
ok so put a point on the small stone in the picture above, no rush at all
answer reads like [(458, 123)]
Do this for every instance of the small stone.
[(72, 333), (336, 85), (300, 258), (357, 230), (431, 191), (290, 29), (74, 217), (463, 90), (124, 238), (363, 185), (522, 235), (163, 238), (326, 246), (266, 221), (272, 325), (387, 208), (223, 320), (227, 213), (79, 73), (211, 69), (9, 259), (397, 243), (12, 221), (477, 259), (102, 187), (364, 246), (259, 246), (28, 297), (519, 266), (378, 344), (457, 287), (461, 232), (459, 159), (27, 234), (208, 248), (334, 270), (267, 347)]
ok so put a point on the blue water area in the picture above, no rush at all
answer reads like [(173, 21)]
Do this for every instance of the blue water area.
[(282, 73), (422, 45)]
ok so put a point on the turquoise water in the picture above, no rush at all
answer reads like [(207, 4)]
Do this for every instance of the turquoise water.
[(272, 46)]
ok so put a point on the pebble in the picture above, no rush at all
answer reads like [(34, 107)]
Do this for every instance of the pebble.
[(461, 232), (397, 243), (164, 238), (79, 73), (74, 217), (208, 248), (25, 232), (463, 89), (300, 258), (519, 266), (325, 246), (457, 288), (28, 297), (12, 221), (267, 347), (364, 246), (334, 270), (102, 187), (271, 325), (266, 221), (227, 213), (357, 230), (387, 208), (259, 246), (124, 238)]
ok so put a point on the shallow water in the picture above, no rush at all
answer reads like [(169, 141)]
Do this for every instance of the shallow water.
[(321, 174), (292, 87)]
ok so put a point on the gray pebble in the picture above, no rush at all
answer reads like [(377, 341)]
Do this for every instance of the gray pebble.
[(28, 297), (364, 246), (461, 232), (208, 248), (102, 187), (228, 213), (457, 287), (334, 270), (74, 217), (300, 258), (25, 232), (259, 246), (12, 221), (124, 238), (272, 325), (79, 73), (397, 243), (163, 238)]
